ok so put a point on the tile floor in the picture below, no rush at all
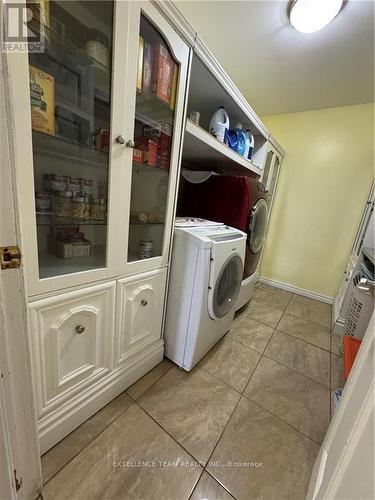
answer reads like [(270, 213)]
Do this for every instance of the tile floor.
[(246, 423)]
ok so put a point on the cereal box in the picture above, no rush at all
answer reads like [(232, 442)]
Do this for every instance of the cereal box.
[(42, 97), (162, 73)]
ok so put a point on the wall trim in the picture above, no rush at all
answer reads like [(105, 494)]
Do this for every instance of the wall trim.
[(296, 289)]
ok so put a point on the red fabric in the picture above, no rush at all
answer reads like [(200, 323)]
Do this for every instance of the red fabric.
[(220, 198)]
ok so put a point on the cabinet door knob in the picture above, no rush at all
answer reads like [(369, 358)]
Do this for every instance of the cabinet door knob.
[(130, 144), (144, 302), (120, 139), (80, 328)]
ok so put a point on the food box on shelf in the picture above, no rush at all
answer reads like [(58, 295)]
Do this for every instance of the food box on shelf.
[(162, 79), (165, 145), (140, 63), (42, 99), (145, 151), (68, 243), (147, 68)]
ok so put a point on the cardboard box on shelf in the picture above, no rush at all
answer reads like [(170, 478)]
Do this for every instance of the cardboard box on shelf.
[(162, 79), (165, 145), (172, 104), (145, 151), (147, 68), (42, 97), (140, 63)]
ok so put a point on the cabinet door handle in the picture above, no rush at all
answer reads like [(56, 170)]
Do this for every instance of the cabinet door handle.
[(144, 302), (130, 144), (80, 329), (120, 139)]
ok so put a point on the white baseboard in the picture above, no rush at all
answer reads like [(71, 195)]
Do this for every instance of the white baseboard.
[(296, 289)]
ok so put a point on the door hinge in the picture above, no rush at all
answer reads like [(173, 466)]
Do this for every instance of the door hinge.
[(10, 257)]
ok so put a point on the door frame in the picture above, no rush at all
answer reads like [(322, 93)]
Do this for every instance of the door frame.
[(18, 421)]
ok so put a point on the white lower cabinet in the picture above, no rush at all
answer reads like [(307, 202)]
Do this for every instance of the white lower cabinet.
[(72, 338), (139, 312), (90, 345)]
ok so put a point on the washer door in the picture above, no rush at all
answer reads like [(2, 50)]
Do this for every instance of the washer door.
[(227, 286), (257, 226)]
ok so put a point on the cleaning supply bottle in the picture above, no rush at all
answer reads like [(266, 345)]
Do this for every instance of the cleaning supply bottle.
[(219, 124), (236, 139), (250, 145)]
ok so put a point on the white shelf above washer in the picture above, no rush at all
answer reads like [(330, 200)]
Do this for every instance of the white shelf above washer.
[(203, 151)]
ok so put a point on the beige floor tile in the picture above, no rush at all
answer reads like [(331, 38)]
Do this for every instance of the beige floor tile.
[(278, 299), (58, 456), (296, 399), (337, 372), (318, 304), (144, 383), (337, 344), (209, 489), (255, 436), (280, 291), (113, 466), (266, 314), (250, 333), (305, 330), (309, 312), (231, 362), (193, 407), (300, 356)]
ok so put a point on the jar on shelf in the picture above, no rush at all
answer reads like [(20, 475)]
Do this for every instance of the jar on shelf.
[(145, 249), (63, 203), (80, 208), (98, 209), (42, 202)]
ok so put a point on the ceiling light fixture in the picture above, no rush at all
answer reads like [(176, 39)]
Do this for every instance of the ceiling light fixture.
[(308, 16)]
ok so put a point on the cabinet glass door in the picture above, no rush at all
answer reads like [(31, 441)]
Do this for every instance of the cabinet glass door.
[(275, 173), (70, 96), (157, 79), (267, 168)]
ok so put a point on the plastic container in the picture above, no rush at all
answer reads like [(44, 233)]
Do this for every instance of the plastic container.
[(98, 209), (219, 124), (145, 249), (236, 140), (249, 145), (80, 208), (63, 203), (351, 347)]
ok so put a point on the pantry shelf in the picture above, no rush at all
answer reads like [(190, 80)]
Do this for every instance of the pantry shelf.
[(203, 151), (43, 220), (63, 149), (50, 265)]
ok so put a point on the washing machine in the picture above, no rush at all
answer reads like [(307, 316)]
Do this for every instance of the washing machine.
[(205, 279), (241, 202)]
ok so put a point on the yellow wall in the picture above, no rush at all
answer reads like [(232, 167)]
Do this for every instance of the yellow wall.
[(323, 186)]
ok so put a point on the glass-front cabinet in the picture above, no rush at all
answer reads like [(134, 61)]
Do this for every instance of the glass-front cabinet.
[(157, 79), (70, 105), (105, 99)]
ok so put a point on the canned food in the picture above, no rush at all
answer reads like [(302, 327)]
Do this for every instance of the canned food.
[(145, 249)]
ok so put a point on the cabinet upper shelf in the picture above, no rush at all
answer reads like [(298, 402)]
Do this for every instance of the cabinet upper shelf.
[(205, 152)]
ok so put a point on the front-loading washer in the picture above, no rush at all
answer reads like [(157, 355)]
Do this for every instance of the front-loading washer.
[(205, 279)]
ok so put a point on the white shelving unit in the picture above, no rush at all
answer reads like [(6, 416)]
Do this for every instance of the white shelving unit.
[(203, 151)]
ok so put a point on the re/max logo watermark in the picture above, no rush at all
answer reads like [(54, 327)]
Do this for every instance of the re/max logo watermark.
[(21, 31)]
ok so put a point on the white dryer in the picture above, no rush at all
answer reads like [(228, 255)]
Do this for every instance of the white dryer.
[(206, 274)]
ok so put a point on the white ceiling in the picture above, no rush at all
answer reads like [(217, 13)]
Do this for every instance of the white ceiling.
[(280, 70)]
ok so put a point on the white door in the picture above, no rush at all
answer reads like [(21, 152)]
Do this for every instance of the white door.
[(345, 465), (140, 302)]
